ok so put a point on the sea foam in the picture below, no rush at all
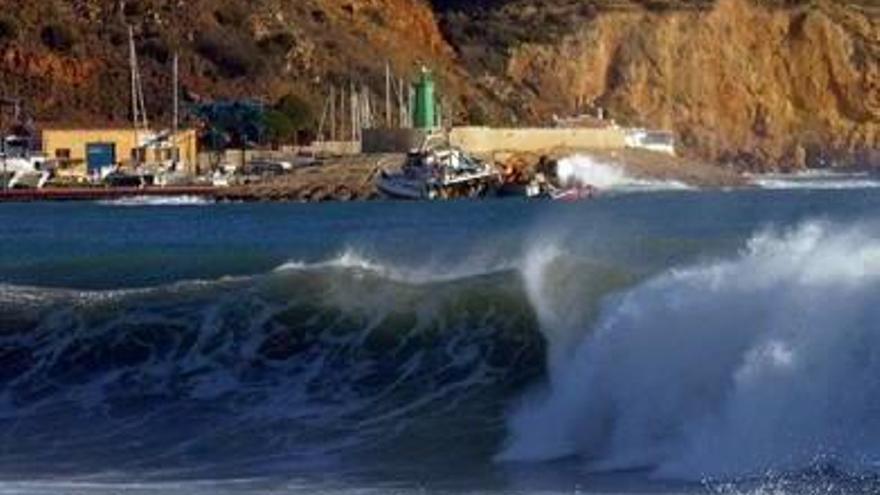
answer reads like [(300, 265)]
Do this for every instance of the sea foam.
[(582, 169), (765, 362)]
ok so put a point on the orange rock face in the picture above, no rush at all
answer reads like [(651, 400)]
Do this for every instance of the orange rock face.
[(737, 82)]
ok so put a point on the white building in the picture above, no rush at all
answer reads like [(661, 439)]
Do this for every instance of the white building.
[(657, 141)]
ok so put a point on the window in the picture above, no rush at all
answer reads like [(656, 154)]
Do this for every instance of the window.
[(138, 155), (62, 154)]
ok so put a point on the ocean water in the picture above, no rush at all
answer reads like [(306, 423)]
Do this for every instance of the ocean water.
[(656, 342)]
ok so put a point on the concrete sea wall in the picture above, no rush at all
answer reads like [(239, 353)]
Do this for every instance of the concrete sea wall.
[(486, 140)]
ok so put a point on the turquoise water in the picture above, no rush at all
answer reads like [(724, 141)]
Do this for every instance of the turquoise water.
[(660, 342)]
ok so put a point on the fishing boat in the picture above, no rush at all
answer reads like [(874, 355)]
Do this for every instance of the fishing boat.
[(439, 172)]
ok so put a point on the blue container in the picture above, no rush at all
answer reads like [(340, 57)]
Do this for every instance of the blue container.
[(100, 155)]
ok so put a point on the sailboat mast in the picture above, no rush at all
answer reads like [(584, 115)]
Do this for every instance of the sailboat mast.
[(333, 114), (140, 86), (388, 124), (134, 89), (176, 113)]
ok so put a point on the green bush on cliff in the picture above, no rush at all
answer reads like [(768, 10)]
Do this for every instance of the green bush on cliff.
[(287, 119), (234, 55), (279, 128), (232, 13), (298, 110), (8, 30), (278, 44), (58, 37)]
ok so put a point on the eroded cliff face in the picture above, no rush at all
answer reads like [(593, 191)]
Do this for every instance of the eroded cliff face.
[(737, 82)]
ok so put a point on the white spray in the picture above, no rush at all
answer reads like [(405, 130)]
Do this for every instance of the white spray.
[(770, 361), (585, 170)]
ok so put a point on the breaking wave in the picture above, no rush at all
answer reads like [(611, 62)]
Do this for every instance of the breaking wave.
[(297, 365), (768, 362), (585, 170)]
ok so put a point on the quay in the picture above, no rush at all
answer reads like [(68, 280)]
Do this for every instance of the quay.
[(241, 194), (101, 193)]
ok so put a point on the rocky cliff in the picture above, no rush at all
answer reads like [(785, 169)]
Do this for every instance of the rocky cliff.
[(738, 82), (783, 83), (69, 59)]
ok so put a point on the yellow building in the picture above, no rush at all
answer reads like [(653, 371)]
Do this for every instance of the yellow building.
[(85, 151)]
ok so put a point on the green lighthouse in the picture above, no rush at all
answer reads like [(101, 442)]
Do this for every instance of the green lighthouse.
[(425, 114)]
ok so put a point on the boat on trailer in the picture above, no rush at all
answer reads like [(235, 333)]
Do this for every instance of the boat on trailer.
[(439, 171)]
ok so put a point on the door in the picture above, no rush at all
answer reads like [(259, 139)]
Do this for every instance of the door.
[(100, 155)]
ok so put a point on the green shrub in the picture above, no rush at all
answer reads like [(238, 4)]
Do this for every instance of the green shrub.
[(297, 110), (156, 49), (8, 30), (375, 16), (232, 14), (58, 37), (279, 128), (278, 44), (133, 9), (234, 55)]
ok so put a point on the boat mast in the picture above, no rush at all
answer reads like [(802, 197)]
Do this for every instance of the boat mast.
[(132, 60), (388, 124), (333, 112), (139, 108), (176, 118)]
